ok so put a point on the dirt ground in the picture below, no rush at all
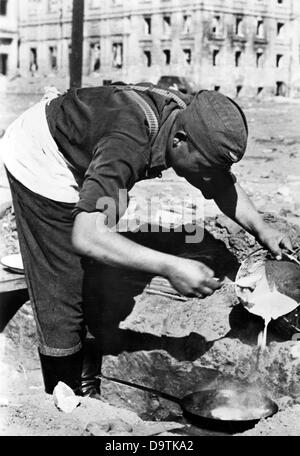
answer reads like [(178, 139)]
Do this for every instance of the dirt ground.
[(270, 172)]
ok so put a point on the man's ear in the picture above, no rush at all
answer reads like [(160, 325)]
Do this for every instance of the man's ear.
[(179, 137)]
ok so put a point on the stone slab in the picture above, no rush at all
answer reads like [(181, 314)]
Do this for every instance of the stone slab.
[(11, 281)]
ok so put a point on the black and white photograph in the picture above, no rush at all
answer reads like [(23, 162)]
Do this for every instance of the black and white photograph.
[(150, 221)]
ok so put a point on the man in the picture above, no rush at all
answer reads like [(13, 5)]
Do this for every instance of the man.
[(65, 156)]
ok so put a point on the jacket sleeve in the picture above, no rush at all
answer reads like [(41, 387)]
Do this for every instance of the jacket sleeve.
[(117, 164)]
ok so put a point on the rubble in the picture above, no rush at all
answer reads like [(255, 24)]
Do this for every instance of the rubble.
[(64, 398), (285, 192), (225, 222), (284, 423), (37, 416), (295, 351)]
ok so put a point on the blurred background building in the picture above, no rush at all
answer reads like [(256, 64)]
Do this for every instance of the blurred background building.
[(8, 36), (241, 47)]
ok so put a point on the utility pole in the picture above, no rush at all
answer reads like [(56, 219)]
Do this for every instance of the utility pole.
[(61, 36), (77, 44)]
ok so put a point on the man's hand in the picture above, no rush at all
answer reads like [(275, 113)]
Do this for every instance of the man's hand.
[(192, 278), (236, 204), (274, 240), (92, 238)]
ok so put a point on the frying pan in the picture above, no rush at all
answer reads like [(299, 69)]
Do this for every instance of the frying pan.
[(200, 407)]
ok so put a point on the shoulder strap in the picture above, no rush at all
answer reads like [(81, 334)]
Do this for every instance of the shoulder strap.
[(148, 111), (163, 92)]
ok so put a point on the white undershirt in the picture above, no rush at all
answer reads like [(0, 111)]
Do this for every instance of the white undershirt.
[(31, 155)]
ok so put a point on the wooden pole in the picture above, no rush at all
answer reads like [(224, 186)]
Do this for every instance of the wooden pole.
[(77, 44)]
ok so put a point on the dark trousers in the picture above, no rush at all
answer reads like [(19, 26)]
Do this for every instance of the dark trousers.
[(53, 270)]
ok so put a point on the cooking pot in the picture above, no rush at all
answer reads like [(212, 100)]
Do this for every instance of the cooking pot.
[(285, 275)]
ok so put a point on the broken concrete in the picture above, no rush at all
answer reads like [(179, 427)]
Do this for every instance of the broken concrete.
[(214, 332), (86, 420), (284, 423), (167, 345)]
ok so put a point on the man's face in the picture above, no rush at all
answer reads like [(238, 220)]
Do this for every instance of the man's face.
[(186, 161)]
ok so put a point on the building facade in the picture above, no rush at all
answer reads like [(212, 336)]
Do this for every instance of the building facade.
[(8, 37), (242, 47)]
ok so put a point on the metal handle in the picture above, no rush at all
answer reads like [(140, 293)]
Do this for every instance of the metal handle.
[(167, 396)]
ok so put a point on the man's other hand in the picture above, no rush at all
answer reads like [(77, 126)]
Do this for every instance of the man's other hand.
[(192, 278), (274, 241)]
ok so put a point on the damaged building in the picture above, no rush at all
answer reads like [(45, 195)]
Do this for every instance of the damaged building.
[(8, 37), (241, 47)]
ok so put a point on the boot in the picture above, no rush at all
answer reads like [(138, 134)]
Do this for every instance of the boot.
[(91, 367), (66, 369)]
